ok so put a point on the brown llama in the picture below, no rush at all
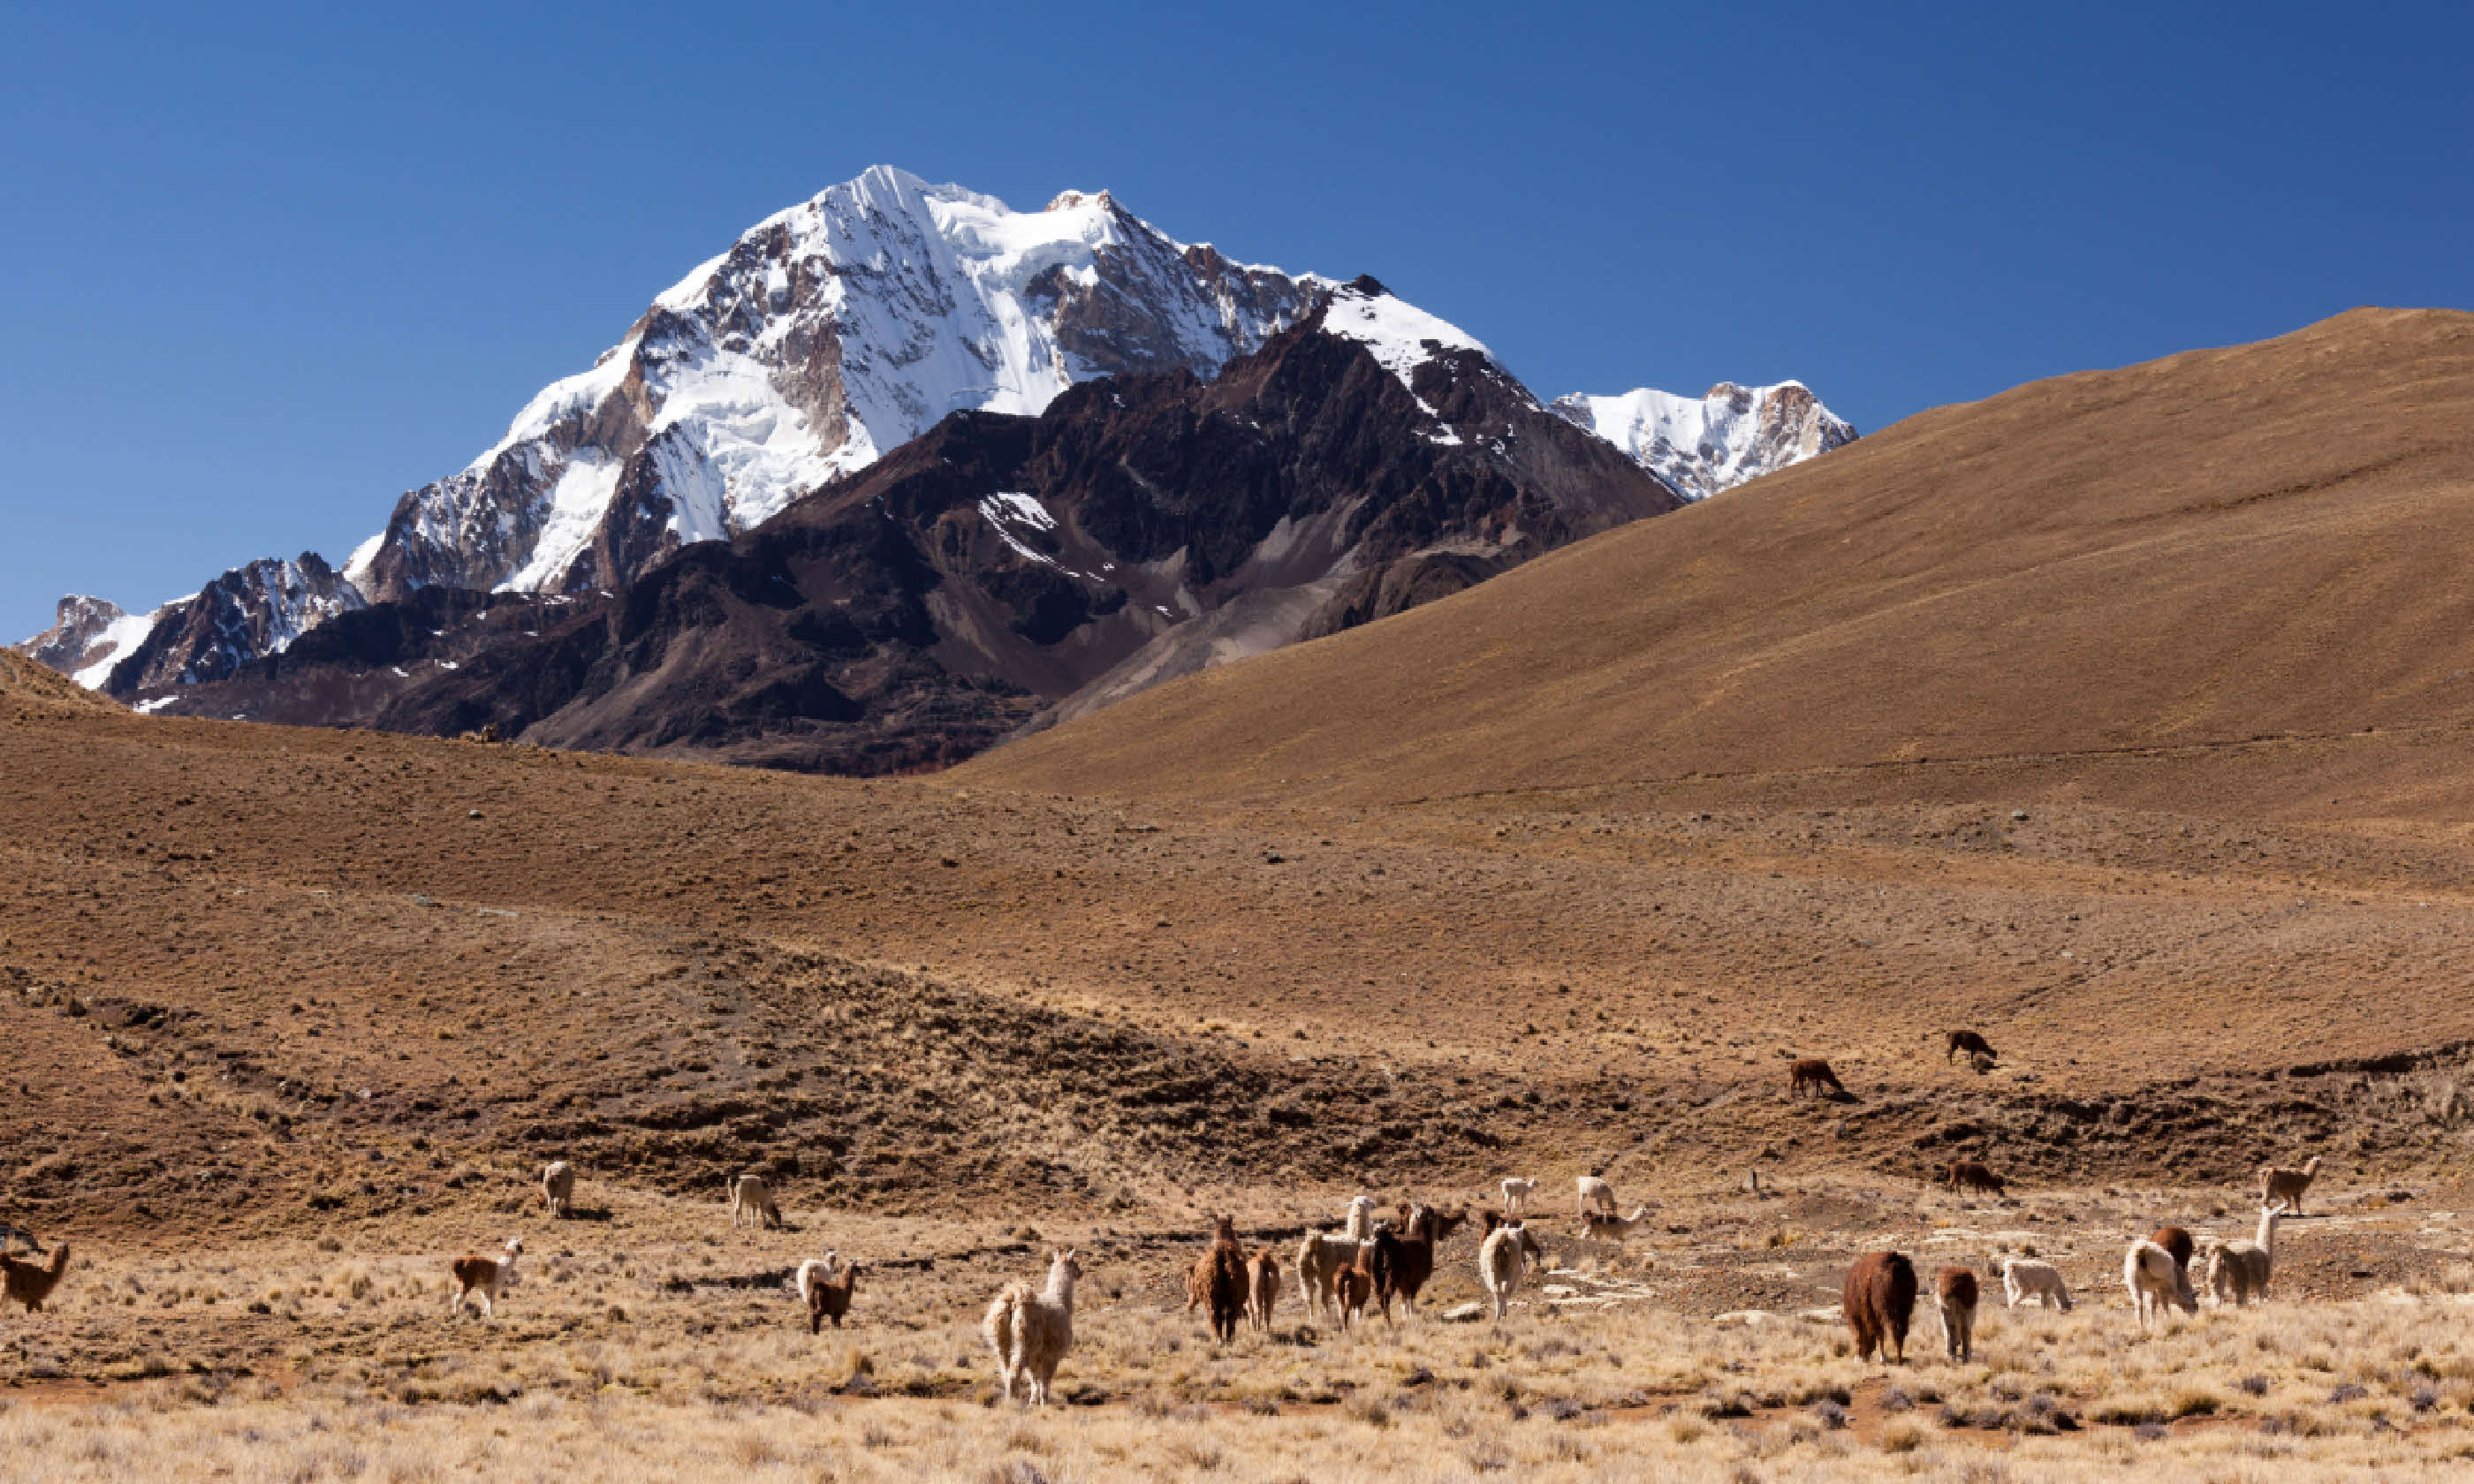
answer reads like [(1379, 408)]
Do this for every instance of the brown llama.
[(2177, 1245), (1878, 1299), (1262, 1288), (1350, 1287), (1972, 1044), (30, 1283), (1955, 1295), (1814, 1073), (2284, 1187), (1970, 1175), (828, 1297), (1217, 1279), (1401, 1262)]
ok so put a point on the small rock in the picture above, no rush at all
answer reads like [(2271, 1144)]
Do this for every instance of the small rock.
[(2020, 815), (472, 814), (1464, 1313)]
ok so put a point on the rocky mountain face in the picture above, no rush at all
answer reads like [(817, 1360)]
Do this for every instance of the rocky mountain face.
[(1005, 569), (86, 637), (1730, 435), (827, 335)]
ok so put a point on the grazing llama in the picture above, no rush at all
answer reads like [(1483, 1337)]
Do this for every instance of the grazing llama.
[(30, 1283), (1262, 1288), (1516, 1192), (1972, 1044), (1031, 1332), (752, 1196), (1971, 1175), (2280, 1187), (1878, 1299), (2243, 1269), (1594, 1195), (558, 1187), (1502, 1258), (1813, 1072), (2025, 1278), (2148, 1271), (485, 1276), (1955, 1295)]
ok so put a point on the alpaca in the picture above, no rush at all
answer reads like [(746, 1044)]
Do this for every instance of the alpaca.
[(2241, 1268), (30, 1283), (1218, 1280), (1972, 1044), (1515, 1195), (1502, 1257), (1813, 1072), (1595, 1194), (826, 1296), (2025, 1278), (1262, 1288), (485, 1276), (558, 1187), (1970, 1175), (752, 1196), (1031, 1332), (1878, 1299), (2283, 1186), (1955, 1295), (2148, 1272), (1321, 1255)]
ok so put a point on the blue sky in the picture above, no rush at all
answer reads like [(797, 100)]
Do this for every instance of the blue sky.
[(265, 267)]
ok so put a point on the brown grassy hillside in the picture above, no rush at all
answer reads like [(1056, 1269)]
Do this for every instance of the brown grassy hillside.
[(2194, 553)]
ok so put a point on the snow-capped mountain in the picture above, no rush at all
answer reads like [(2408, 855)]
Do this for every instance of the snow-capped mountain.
[(831, 334), (86, 637), (1728, 436), (827, 336)]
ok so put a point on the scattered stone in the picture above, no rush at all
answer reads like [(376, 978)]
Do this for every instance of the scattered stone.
[(1464, 1313)]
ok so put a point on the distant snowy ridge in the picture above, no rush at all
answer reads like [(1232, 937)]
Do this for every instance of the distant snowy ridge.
[(1717, 443)]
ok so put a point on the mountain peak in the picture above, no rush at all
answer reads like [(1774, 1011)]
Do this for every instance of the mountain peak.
[(1732, 433)]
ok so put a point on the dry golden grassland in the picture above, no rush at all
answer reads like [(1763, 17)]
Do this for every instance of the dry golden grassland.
[(633, 1347)]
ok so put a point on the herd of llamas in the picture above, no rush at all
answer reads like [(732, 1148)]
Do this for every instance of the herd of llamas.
[(1380, 1260)]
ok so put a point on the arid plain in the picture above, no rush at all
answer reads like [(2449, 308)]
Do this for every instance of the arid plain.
[(297, 1016)]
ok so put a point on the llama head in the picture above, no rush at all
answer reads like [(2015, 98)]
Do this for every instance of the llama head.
[(515, 1248)]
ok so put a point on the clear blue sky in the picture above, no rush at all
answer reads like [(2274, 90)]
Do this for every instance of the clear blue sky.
[(265, 267)]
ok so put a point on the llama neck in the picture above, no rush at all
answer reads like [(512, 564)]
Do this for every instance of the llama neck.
[(2267, 1220), (1060, 1288)]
